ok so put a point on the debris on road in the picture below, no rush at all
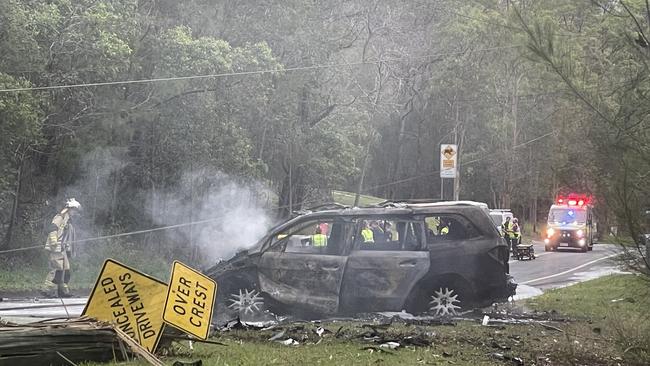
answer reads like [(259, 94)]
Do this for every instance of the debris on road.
[(62, 342)]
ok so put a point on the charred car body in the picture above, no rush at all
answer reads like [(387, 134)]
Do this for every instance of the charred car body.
[(322, 263)]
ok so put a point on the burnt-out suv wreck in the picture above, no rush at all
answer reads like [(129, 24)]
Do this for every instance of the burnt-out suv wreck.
[(419, 257)]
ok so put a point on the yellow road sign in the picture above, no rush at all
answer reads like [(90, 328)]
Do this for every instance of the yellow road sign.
[(190, 300), (131, 300)]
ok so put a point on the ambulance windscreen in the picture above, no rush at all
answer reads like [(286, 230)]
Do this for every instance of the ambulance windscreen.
[(567, 216)]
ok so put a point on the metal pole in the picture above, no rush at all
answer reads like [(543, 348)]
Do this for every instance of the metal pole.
[(442, 186)]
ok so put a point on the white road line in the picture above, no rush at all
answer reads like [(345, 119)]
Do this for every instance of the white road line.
[(569, 271), (536, 256)]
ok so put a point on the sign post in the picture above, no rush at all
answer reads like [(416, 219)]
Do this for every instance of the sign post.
[(448, 164), (189, 301), (131, 300)]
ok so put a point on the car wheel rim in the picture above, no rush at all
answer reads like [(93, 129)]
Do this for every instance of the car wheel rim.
[(444, 302), (247, 302)]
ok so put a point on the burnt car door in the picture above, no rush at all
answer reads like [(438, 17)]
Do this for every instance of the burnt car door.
[(303, 268), (380, 274), (471, 261)]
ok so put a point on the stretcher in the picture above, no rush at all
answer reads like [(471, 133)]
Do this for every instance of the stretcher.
[(524, 251)]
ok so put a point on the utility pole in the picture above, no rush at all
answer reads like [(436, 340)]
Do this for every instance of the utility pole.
[(357, 196), (290, 180), (457, 178)]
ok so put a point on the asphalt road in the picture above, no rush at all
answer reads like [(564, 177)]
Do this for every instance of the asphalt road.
[(548, 270), (562, 268)]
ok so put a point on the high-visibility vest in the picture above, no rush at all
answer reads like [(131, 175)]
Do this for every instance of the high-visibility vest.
[(444, 230), (319, 240), (507, 228), (368, 237)]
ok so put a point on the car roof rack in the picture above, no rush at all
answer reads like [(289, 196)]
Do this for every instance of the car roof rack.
[(406, 201), (317, 208)]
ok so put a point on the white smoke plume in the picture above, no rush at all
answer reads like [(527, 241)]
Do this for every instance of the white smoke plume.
[(239, 214)]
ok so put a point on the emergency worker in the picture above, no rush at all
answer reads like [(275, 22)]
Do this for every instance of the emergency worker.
[(516, 230), (443, 228), (378, 235), (507, 232), (388, 231), (367, 234), (59, 245), (319, 239)]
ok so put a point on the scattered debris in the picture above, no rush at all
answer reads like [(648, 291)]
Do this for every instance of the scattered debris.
[(391, 345), (277, 336), (500, 346), (500, 356), (550, 327), (626, 299), (188, 363), (377, 349), (50, 343), (486, 319), (290, 342)]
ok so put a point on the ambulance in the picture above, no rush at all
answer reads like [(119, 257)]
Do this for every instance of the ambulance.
[(571, 223)]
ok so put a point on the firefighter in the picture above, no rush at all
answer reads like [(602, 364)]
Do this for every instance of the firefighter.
[(59, 246), (319, 239)]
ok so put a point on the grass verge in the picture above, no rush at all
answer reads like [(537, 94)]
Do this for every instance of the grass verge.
[(614, 307)]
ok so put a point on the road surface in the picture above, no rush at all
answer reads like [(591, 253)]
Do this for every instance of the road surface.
[(562, 268), (549, 270)]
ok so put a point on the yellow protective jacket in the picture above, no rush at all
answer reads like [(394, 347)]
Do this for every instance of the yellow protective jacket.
[(62, 234)]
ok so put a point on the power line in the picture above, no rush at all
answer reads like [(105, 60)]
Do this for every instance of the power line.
[(463, 164), (257, 72), (140, 231)]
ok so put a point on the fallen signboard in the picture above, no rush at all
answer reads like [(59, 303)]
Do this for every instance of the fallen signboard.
[(189, 301), (131, 300)]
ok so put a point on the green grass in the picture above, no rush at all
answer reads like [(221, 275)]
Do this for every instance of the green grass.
[(599, 298), (616, 307), (347, 198)]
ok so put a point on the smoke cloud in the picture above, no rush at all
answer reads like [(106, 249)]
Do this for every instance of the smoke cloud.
[(238, 212)]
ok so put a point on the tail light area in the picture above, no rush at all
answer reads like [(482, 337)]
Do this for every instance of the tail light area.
[(501, 254)]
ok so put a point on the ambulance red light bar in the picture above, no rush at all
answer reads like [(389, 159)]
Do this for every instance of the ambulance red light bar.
[(574, 200)]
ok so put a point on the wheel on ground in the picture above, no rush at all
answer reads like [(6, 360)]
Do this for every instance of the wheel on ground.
[(584, 249), (547, 248)]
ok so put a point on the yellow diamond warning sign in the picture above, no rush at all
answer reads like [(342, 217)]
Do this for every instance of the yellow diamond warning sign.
[(190, 299), (131, 300)]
